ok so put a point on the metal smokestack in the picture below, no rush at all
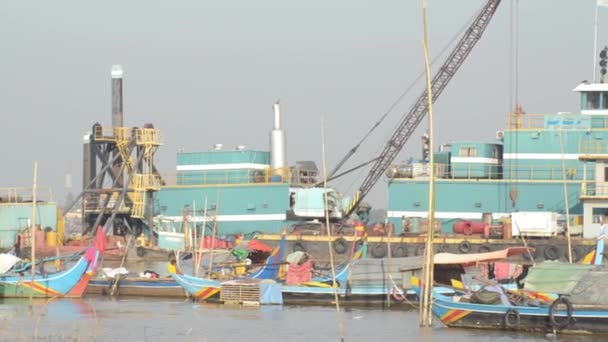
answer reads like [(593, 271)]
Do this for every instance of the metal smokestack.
[(117, 96), (278, 154)]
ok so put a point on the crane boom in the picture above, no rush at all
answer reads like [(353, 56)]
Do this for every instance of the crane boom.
[(410, 122)]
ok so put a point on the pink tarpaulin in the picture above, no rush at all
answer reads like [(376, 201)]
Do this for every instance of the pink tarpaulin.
[(298, 274), (449, 258)]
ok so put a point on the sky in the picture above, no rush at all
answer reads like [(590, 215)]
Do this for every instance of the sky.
[(206, 72)]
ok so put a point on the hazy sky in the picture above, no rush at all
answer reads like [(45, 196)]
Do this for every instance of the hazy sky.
[(207, 72)]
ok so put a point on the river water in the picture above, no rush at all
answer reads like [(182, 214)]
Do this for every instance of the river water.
[(145, 319)]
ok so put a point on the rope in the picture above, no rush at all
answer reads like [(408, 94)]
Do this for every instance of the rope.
[(394, 104), (401, 292)]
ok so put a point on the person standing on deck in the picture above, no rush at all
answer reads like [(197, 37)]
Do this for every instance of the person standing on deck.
[(173, 268), (599, 250)]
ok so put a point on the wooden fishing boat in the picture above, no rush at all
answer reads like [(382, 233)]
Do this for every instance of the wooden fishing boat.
[(139, 286), (577, 303), (69, 283), (203, 289), (561, 316)]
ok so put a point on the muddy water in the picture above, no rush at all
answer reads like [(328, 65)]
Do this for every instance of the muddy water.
[(139, 319)]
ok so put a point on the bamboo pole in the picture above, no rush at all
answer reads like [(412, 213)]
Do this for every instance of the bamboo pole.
[(566, 204), (33, 229), (195, 244), (331, 254), (427, 286), (214, 231), (199, 258), (389, 273)]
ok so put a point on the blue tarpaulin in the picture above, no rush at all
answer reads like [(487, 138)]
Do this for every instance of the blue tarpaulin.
[(270, 293)]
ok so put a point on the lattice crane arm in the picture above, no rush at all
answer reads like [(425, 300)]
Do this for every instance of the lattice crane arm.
[(418, 111)]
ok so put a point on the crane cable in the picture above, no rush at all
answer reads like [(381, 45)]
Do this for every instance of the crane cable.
[(354, 149)]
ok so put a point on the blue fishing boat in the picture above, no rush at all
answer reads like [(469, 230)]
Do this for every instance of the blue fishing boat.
[(69, 283), (579, 305), (202, 289), (561, 316)]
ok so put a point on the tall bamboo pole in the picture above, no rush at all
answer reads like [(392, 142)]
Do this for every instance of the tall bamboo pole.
[(33, 229), (214, 232), (566, 203), (331, 254), (195, 244), (199, 258), (427, 286)]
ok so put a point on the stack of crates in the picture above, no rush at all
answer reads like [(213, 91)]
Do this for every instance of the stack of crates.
[(240, 292)]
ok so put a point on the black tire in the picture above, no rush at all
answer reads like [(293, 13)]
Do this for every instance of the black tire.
[(340, 246), (578, 253), (299, 247), (556, 322), (512, 319), (400, 251), (379, 250), (140, 251), (484, 249), (442, 249), (551, 252), (464, 247)]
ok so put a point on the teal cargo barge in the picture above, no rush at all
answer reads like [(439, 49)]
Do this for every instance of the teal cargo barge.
[(538, 163)]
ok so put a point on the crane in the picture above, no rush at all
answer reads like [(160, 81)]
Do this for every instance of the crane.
[(418, 111)]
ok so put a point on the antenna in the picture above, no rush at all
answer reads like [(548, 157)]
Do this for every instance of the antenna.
[(603, 59)]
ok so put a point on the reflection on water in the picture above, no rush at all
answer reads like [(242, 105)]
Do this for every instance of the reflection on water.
[(139, 319)]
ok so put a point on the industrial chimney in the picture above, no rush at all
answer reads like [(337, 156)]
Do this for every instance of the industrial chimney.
[(278, 155), (117, 96)]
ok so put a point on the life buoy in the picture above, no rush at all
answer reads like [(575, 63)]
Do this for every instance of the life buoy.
[(551, 252), (553, 319), (298, 247), (379, 250), (512, 319), (464, 247), (140, 251), (399, 251), (398, 295), (340, 246)]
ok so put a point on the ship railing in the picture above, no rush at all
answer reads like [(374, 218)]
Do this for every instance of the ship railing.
[(228, 177), (25, 195), (148, 136), (101, 133), (593, 147), (525, 121), (594, 189), (554, 172), (95, 201), (145, 181)]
